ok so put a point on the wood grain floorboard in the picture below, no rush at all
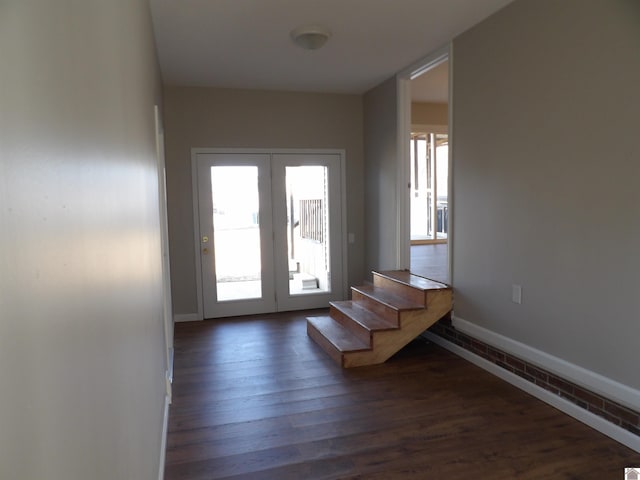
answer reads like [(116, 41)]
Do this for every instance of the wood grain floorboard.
[(431, 261), (255, 398)]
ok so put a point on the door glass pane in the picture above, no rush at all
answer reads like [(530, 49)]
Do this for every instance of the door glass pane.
[(421, 189), (308, 229), (442, 184), (236, 230), (429, 179)]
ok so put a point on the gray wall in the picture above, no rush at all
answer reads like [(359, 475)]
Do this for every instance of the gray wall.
[(215, 117), (381, 148), (546, 172), (81, 333)]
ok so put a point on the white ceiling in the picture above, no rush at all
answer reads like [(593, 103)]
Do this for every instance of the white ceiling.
[(246, 44)]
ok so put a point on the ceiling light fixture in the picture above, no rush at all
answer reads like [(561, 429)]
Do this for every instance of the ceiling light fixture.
[(310, 37)]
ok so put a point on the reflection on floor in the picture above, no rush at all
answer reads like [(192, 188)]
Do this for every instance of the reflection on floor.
[(431, 261)]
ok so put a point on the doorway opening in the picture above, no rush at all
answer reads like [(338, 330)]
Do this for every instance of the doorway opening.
[(429, 173)]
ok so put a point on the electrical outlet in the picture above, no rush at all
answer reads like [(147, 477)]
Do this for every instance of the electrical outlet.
[(516, 294)]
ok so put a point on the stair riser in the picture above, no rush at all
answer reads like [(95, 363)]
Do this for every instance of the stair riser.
[(387, 343), (325, 344), (414, 294), (369, 303), (412, 309), (351, 325)]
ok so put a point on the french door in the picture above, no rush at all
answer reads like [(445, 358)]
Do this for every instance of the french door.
[(429, 180), (270, 231)]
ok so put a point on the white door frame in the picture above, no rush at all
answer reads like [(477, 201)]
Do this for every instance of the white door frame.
[(167, 307), (333, 164), (266, 302), (403, 223), (269, 151)]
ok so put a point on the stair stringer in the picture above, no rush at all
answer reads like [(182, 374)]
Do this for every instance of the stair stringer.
[(412, 323)]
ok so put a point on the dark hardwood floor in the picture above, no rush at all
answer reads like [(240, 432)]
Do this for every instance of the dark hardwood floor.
[(255, 398), (431, 261)]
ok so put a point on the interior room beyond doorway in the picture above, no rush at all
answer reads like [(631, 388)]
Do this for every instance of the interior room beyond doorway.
[(431, 261), (429, 174)]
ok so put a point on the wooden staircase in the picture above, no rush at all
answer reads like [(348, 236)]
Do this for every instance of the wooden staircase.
[(381, 319)]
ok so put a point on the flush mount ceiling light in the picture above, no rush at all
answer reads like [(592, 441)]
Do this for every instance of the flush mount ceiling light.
[(310, 37)]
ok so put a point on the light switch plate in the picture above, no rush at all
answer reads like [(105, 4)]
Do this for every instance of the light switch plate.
[(516, 294)]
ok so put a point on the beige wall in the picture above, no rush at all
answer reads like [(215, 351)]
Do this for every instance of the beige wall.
[(381, 153), (423, 113), (546, 170), (213, 117), (81, 333)]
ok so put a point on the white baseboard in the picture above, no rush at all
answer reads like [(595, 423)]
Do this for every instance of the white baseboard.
[(163, 442), (600, 424), (187, 317), (608, 388)]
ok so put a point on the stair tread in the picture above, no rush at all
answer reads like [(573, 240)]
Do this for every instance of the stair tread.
[(341, 338), (413, 280), (368, 319), (387, 298)]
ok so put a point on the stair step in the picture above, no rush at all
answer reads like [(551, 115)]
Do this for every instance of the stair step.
[(341, 339), (407, 285), (359, 320), (407, 278), (368, 319), (305, 281), (382, 318), (387, 298)]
